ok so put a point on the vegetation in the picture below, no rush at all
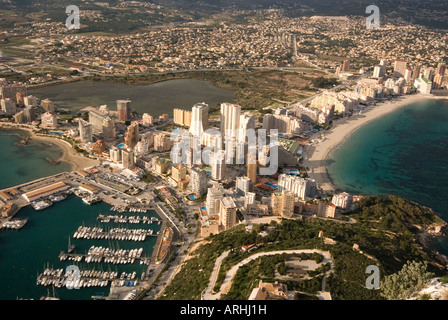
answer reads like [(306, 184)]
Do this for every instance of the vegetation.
[(325, 83), (255, 89), (148, 178), (385, 232), (411, 278)]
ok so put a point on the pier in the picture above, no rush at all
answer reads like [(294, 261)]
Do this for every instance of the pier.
[(86, 278), (98, 254), (127, 219), (113, 234)]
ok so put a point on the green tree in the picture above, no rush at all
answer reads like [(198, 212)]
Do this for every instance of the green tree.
[(401, 285)]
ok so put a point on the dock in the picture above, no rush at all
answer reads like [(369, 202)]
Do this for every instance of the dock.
[(86, 278), (98, 254), (127, 219), (113, 234)]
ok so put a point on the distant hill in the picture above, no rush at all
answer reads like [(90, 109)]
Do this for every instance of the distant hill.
[(430, 13)]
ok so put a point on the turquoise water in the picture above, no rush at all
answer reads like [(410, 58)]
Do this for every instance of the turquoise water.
[(26, 163), (156, 99), (403, 153), (26, 252)]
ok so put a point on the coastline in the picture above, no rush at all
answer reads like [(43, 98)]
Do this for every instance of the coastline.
[(315, 156), (69, 155)]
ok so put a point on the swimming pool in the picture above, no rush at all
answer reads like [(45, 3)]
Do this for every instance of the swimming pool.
[(56, 132), (191, 197), (121, 146), (271, 185)]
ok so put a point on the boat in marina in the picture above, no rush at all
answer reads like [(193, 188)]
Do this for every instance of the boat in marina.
[(15, 224), (58, 197), (40, 205), (71, 247), (91, 200)]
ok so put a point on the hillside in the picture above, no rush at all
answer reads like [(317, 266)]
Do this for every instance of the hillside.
[(385, 232)]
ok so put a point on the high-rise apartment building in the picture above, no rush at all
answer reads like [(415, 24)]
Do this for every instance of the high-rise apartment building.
[(218, 165), (345, 66), (199, 119), (302, 188), (251, 165), (249, 199), (48, 105), (416, 72), (108, 132), (85, 131), (182, 117), (227, 215), (438, 78), (282, 204), (247, 121), (132, 135), (230, 119), (178, 172), (400, 68), (30, 101), (342, 200), (96, 119), (162, 142), (49, 120), (408, 75), (243, 185), (124, 110), (8, 106), (213, 202), (29, 114), (10, 91), (198, 182), (115, 154), (147, 119), (128, 160)]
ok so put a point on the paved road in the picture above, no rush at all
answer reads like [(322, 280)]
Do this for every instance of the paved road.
[(226, 285)]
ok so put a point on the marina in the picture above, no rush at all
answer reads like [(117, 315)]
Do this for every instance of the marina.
[(76, 279), (41, 239), (122, 234), (107, 255), (127, 219)]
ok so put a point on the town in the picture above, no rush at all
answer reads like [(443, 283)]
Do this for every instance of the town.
[(149, 162)]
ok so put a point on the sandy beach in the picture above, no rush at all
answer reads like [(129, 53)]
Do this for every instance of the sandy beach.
[(69, 155), (77, 160), (315, 155)]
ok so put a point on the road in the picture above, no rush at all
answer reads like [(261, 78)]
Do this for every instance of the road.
[(226, 285)]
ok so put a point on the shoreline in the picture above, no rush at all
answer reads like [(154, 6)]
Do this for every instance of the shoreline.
[(69, 155), (315, 159)]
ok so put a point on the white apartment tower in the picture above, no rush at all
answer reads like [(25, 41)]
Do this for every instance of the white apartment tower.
[(213, 203), (230, 119), (198, 182), (302, 188), (85, 131), (199, 119), (242, 185)]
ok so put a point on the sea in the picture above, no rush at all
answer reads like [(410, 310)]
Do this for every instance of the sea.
[(403, 153), (27, 252)]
